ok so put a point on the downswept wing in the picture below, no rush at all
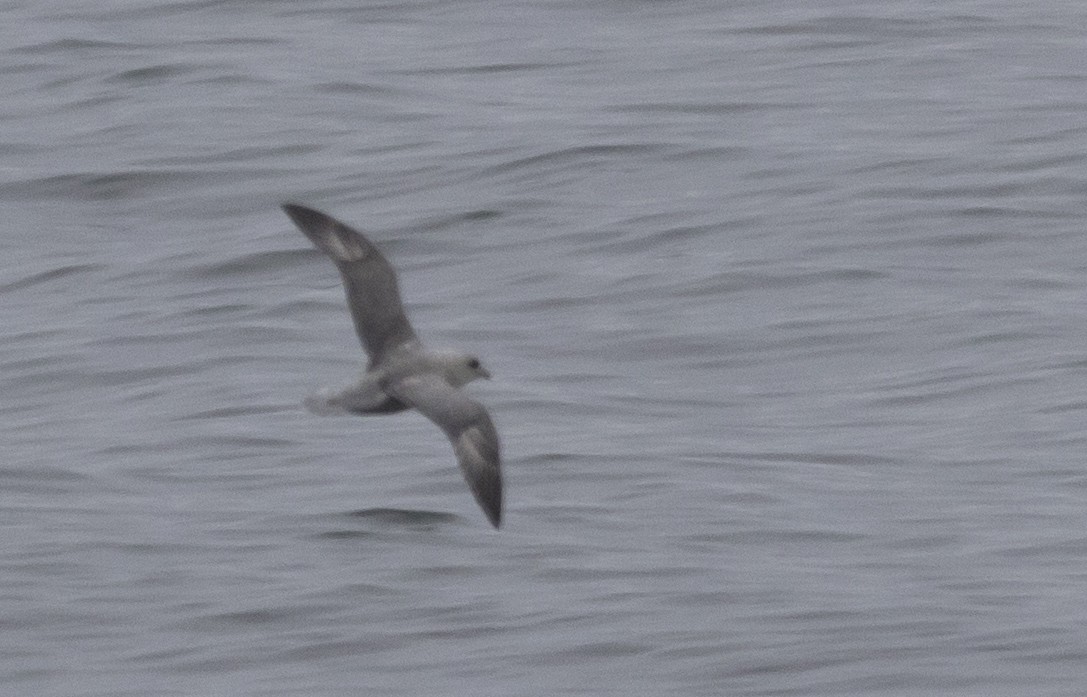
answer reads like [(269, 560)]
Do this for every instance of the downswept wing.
[(469, 429), (373, 295)]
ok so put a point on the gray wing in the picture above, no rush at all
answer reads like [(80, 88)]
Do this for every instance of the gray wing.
[(469, 429), (369, 280)]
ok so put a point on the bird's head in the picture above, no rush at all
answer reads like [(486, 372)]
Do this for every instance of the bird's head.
[(462, 369)]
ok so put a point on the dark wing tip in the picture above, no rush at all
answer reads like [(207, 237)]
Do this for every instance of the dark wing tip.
[(488, 491), (342, 243), (486, 479), (304, 217), (494, 511), (477, 453)]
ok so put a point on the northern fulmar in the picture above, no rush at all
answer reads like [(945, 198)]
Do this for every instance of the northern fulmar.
[(401, 373)]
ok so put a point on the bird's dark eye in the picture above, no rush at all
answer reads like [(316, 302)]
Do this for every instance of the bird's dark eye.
[(473, 363)]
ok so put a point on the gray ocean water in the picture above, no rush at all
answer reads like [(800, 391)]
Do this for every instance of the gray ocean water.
[(785, 304)]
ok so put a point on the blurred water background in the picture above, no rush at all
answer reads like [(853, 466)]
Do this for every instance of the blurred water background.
[(784, 303)]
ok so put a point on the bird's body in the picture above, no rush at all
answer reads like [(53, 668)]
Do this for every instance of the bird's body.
[(401, 374)]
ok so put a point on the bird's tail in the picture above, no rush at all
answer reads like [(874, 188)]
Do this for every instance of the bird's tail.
[(327, 402)]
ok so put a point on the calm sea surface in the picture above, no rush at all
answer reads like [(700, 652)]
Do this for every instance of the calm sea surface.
[(786, 305)]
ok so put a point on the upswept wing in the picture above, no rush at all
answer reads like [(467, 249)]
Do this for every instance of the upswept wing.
[(469, 429), (369, 281)]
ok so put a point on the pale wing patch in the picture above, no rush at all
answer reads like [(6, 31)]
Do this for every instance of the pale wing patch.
[(480, 466), (475, 443), (344, 248), (468, 449)]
